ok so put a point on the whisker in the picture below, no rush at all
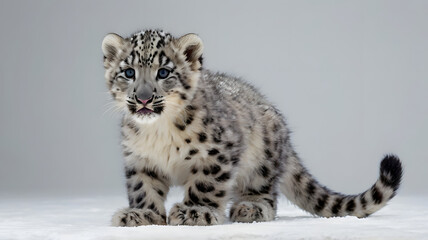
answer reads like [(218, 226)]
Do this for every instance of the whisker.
[(113, 109), (108, 104)]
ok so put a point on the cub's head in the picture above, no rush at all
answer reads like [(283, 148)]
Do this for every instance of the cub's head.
[(152, 74)]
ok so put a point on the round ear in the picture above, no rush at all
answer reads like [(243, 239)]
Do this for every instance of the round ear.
[(112, 46), (192, 47)]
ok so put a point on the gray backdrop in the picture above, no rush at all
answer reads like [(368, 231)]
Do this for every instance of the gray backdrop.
[(351, 77)]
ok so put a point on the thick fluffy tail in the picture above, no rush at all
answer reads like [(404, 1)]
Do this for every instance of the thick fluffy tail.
[(304, 191)]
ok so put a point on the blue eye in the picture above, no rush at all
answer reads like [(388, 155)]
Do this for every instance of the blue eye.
[(129, 73), (163, 73)]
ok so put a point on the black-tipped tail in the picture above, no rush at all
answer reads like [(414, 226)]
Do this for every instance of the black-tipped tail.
[(302, 189), (391, 171)]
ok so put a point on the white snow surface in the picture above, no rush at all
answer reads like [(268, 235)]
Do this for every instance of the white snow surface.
[(89, 218)]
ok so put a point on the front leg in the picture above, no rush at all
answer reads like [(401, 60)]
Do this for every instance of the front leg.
[(147, 190), (206, 196)]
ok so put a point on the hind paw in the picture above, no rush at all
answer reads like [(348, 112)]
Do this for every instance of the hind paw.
[(132, 217), (251, 212)]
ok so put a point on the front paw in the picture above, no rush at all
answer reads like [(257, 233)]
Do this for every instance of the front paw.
[(132, 217), (181, 214)]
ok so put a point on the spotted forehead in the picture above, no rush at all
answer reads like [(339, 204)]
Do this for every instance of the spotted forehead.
[(147, 45)]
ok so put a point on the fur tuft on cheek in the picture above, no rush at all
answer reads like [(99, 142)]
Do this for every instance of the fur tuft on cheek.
[(173, 104)]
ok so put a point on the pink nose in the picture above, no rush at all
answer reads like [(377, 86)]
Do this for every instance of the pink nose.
[(144, 102)]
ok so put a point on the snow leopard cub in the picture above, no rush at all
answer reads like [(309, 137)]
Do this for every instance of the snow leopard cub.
[(215, 135)]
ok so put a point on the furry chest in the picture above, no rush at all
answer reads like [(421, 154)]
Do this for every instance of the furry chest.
[(158, 148)]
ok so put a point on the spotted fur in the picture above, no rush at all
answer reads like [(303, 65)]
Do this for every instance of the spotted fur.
[(214, 134)]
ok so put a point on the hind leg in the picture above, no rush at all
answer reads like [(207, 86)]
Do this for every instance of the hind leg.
[(256, 187), (256, 202)]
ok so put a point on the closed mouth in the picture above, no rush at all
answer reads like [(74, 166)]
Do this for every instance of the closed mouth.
[(145, 111)]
